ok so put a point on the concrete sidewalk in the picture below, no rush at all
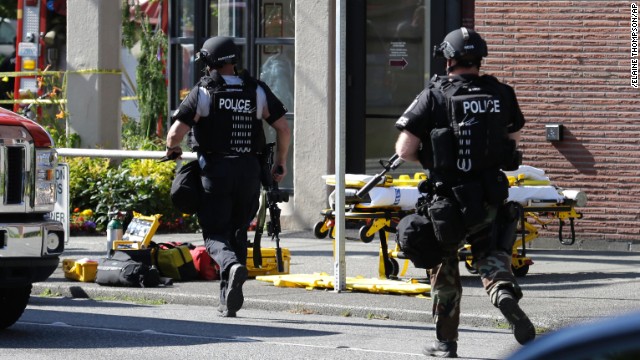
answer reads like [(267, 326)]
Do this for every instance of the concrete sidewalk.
[(565, 285)]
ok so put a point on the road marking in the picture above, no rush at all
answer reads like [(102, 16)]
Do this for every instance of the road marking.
[(226, 339)]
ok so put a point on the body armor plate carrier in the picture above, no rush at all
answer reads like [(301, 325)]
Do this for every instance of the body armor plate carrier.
[(475, 131), (232, 126)]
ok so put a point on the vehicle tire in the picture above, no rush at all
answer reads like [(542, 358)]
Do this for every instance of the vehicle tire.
[(13, 301), (363, 234), (317, 230), (521, 271)]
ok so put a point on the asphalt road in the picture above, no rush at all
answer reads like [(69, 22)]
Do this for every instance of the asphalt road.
[(62, 328), (566, 285)]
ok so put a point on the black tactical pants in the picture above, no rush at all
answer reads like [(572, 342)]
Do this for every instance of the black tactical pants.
[(230, 201)]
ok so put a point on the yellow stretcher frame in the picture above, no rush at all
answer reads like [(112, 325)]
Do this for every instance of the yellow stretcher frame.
[(527, 231), (380, 220)]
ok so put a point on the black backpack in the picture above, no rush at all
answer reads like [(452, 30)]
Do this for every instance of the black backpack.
[(120, 269), (186, 189)]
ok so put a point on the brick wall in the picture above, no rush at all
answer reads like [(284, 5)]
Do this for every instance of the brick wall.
[(569, 62)]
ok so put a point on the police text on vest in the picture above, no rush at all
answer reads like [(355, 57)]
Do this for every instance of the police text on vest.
[(481, 106)]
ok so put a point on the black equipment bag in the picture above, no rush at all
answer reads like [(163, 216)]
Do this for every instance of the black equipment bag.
[(448, 224), (186, 189), (121, 270), (417, 240)]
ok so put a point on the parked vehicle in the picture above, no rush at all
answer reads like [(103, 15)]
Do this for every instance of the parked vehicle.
[(614, 338), (30, 242)]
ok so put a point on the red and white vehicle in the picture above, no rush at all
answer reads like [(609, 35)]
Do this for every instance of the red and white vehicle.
[(30, 243)]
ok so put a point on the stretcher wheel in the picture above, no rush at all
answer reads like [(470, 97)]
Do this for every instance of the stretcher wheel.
[(363, 234), (521, 271), (470, 268), (320, 230), (392, 268)]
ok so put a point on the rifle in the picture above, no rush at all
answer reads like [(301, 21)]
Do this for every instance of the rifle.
[(388, 165), (273, 196)]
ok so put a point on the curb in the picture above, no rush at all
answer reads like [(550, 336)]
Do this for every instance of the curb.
[(78, 291)]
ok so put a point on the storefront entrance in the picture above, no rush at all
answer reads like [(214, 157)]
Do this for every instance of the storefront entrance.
[(389, 63)]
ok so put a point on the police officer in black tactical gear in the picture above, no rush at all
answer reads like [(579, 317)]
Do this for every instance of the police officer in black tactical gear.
[(225, 112), (463, 129)]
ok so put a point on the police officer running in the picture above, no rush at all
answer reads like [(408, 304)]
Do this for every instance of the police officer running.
[(463, 129), (225, 111)]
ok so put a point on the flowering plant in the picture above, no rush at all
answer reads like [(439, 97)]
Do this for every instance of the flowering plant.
[(183, 223), (82, 222)]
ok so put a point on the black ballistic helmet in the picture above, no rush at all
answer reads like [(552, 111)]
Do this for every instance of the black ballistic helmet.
[(463, 45), (217, 51)]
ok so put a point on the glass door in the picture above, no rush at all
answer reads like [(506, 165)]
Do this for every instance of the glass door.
[(275, 62), (396, 71)]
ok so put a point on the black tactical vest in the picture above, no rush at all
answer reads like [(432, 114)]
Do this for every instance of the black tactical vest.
[(472, 135), (232, 126)]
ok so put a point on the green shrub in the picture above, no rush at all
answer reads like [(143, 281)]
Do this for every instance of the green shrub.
[(139, 185)]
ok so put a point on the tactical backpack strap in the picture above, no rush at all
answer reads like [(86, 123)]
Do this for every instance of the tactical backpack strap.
[(248, 81), (443, 90)]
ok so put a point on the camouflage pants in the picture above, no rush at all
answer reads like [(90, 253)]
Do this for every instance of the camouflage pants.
[(494, 268)]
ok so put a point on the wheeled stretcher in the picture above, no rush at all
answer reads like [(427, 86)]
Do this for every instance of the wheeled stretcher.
[(543, 203), (391, 199)]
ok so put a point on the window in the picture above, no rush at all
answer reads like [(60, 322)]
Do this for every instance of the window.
[(264, 30)]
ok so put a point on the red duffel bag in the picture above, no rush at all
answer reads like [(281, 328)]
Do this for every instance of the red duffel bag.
[(205, 266)]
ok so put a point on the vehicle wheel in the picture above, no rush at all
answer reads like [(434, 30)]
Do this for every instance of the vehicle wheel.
[(13, 301), (363, 234), (392, 267), (521, 271), (318, 230), (470, 268)]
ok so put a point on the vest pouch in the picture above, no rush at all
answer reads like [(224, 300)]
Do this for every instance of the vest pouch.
[(470, 198), (511, 158), (496, 187), (447, 223), (443, 148)]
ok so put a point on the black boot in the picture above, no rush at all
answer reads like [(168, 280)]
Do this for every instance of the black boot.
[(441, 349), (224, 312), (522, 328), (237, 276)]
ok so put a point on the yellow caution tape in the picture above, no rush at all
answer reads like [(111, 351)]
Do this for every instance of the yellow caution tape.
[(49, 101), (4, 76), (51, 73)]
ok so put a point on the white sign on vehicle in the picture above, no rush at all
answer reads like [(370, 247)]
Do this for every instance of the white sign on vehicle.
[(61, 208), (27, 49)]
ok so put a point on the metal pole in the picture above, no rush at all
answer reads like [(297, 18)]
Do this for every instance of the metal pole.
[(340, 129), (118, 154)]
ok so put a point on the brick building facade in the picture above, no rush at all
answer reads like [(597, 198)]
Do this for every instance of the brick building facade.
[(570, 64)]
